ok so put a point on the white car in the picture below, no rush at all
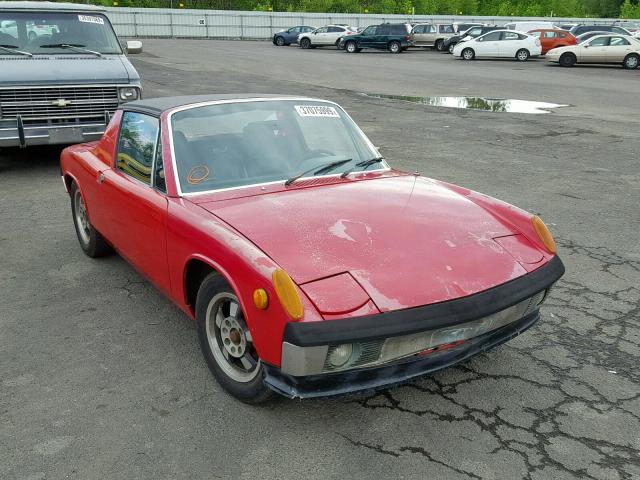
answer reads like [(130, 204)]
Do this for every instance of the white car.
[(325, 36), (500, 43)]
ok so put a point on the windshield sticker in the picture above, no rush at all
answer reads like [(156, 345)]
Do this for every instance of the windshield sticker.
[(90, 19), (316, 111)]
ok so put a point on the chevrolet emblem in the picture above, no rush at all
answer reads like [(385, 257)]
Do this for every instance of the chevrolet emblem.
[(61, 102)]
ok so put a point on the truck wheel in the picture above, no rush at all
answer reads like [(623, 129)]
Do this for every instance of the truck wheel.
[(226, 342), (395, 47), (91, 242), (440, 45)]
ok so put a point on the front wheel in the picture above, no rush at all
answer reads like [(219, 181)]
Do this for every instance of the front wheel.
[(226, 342), (305, 43), (522, 55), (468, 54), (567, 60), (91, 242), (280, 41), (451, 47), (395, 47), (631, 62), (351, 47)]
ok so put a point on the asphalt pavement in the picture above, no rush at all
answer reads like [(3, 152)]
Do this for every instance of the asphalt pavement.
[(101, 376)]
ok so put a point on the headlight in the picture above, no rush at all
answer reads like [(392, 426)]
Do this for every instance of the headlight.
[(544, 234), (128, 94), (338, 356)]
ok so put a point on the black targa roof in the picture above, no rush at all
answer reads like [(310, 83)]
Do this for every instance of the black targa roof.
[(155, 106)]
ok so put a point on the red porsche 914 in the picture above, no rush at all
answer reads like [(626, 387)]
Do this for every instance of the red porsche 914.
[(311, 267)]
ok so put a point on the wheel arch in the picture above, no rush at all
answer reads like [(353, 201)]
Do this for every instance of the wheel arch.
[(196, 269)]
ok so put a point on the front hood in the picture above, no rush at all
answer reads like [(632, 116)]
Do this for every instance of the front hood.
[(406, 240), (62, 69)]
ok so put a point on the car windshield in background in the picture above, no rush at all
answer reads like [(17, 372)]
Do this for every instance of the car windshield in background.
[(59, 33), (247, 143)]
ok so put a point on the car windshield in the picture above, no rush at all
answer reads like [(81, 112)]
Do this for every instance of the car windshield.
[(59, 33), (229, 145)]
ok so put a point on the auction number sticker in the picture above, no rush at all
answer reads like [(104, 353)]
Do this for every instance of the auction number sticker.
[(90, 19), (316, 111)]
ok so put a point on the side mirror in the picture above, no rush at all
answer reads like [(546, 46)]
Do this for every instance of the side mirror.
[(134, 46)]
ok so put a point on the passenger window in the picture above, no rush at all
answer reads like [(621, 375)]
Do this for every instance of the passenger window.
[(322, 30), (563, 35), (137, 145), (446, 28), (549, 34), (599, 42), (535, 34), (370, 30), (384, 30), (617, 41), (510, 36), (491, 37), (475, 31)]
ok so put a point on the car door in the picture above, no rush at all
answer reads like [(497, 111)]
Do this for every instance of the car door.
[(617, 50), (424, 35), (488, 45), (319, 37), (291, 35), (368, 38), (137, 206), (510, 43), (334, 33), (595, 50)]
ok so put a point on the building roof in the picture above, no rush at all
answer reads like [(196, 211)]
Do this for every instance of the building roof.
[(51, 6)]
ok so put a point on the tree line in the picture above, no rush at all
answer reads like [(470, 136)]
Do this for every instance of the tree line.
[(528, 8)]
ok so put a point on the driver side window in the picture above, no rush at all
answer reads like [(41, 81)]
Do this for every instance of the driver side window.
[(599, 42), (490, 37), (370, 30), (137, 145), (322, 30)]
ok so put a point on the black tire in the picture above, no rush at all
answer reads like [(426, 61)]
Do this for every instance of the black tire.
[(280, 41), (91, 242), (395, 47), (451, 47), (305, 43), (522, 55), (567, 60), (214, 290), (468, 54), (439, 45), (631, 61), (351, 47)]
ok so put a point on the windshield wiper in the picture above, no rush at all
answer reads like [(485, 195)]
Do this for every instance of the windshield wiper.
[(364, 165), (12, 49), (71, 46), (318, 170)]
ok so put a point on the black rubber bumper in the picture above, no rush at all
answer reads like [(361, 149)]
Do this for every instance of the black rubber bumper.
[(371, 379), (427, 317)]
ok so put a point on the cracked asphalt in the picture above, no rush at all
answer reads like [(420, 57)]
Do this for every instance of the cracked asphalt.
[(101, 377)]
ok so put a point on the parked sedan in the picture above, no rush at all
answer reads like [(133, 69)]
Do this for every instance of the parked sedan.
[(289, 36), (500, 43), (620, 49), (552, 38), (311, 268), (474, 32), (325, 36)]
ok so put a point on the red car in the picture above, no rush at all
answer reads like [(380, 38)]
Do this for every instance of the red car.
[(310, 267), (553, 38)]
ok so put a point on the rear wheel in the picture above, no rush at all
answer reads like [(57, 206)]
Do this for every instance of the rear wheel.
[(351, 47), (91, 242), (522, 55), (468, 54), (226, 341), (280, 41), (567, 60), (631, 62), (305, 43), (440, 45), (395, 47)]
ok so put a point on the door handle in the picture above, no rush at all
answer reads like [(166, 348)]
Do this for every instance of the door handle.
[(101, 178)]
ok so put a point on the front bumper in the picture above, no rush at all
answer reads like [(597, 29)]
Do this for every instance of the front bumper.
[(387, 376), (385, 341), (16, 133)]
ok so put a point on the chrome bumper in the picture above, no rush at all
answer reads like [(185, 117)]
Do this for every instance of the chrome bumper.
[(15, 133)]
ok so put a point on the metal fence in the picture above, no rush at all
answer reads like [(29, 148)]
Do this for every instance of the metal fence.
[(244, 25)]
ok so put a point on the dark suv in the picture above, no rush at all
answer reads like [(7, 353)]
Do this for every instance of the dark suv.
[(472, 32), (394, 37)]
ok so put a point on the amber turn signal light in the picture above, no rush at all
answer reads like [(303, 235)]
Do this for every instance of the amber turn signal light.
[(260, 298), (287, 294), (544, 234)]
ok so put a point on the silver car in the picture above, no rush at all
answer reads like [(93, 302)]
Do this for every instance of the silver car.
[(63, 73), (432, 35)]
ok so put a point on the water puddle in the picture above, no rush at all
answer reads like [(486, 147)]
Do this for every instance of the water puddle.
[(477, 103)]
